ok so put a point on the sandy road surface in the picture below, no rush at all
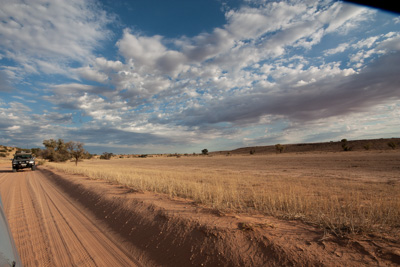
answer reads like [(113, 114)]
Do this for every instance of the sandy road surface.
[(52, 230)]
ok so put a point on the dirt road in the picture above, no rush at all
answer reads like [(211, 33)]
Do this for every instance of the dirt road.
[(50, 229)]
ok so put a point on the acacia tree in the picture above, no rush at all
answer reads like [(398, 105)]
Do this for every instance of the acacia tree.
[(56, 150), (76, 151)]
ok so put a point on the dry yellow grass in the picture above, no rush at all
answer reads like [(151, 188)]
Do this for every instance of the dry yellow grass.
[(342, 192)]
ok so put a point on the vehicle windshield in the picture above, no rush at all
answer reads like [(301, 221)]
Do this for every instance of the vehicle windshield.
[(23, 157)]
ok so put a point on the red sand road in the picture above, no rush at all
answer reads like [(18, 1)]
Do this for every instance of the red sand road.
[(52, 230)]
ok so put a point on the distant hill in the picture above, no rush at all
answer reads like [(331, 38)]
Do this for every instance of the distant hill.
[(354, 145)]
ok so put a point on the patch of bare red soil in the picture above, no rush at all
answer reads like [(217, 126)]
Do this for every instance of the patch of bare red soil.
[(165, 232)]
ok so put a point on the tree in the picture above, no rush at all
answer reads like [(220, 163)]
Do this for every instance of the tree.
[(204, 151), (76, 150), (36, 151), (56, 150), (60, 151)]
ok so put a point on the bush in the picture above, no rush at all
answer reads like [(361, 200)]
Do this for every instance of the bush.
[(279, 148), (106, 155), (3, 155), (392, 145), (345, 145), (367, 146)]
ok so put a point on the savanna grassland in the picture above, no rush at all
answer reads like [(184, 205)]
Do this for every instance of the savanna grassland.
[(342, 192)]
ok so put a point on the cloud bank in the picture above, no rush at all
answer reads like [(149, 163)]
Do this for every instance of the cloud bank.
[(274, 72)]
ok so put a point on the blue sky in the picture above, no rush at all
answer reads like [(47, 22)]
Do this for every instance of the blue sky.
[(179, 76)]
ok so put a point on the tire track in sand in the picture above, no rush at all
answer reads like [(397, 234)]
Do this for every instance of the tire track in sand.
[(60, 234), (51, 230), (25, 221)]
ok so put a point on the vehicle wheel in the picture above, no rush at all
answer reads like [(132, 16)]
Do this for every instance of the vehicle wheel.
[(14, 170), (33, 168)]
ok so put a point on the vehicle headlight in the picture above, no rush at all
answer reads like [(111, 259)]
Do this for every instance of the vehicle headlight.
[(31, 162)]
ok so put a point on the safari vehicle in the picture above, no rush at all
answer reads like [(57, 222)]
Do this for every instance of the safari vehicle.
[(23, 160)]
